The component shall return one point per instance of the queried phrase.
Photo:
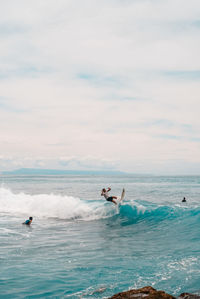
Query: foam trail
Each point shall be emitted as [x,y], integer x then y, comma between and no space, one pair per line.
[50,205]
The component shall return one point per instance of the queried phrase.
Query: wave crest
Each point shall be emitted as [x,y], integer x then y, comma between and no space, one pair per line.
[49,205]
[69,208]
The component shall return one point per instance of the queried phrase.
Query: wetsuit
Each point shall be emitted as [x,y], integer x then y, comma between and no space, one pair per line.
[27,222]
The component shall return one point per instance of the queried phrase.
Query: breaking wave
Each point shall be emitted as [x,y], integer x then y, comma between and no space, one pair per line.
[69,208]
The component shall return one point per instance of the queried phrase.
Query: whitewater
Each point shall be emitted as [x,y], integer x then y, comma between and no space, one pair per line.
[80,246]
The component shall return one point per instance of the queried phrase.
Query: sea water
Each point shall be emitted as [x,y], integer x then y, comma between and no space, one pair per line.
[80,246]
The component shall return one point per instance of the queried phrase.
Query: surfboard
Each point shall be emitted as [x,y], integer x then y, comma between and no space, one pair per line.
[122,195]
[120,199]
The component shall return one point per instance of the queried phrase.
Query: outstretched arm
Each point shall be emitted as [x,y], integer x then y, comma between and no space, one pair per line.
[108,189]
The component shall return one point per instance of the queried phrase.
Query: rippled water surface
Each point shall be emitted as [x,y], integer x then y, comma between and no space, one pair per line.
[80,246]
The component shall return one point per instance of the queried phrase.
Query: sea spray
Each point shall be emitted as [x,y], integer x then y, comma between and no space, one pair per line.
[51,205]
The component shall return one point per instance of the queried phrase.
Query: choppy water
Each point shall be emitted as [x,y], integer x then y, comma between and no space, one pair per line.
[80,246]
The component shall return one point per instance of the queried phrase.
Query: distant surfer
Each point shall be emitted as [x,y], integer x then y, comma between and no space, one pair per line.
[104,193]
[28,222]
[184,199]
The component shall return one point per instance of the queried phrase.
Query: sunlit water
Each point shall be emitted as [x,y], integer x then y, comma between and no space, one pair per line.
[80,246]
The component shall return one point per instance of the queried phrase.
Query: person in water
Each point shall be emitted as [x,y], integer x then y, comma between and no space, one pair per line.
[28,222]
[104,193]
[184,199]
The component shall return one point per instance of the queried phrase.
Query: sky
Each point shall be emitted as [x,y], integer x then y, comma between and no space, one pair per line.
[100,85]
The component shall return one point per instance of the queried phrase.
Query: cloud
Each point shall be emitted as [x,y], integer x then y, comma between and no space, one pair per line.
[114,80]
[69,163]
[88,162]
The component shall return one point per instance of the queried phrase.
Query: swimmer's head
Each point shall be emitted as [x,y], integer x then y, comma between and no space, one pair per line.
[103,190]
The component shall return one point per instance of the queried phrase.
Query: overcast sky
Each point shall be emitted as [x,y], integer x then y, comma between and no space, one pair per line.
[107,84]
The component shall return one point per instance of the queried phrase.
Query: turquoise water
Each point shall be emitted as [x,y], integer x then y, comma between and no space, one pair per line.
[80,246]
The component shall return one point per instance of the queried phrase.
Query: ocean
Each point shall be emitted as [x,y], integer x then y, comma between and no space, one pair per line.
[80,246]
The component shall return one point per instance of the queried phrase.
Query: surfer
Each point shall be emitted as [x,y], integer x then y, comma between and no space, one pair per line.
[184,199]
[28,222]
[104,193]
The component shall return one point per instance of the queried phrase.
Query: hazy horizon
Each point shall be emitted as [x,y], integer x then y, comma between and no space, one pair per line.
[47,171]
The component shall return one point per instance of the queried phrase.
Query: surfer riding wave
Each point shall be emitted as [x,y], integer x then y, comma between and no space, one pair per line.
[104,193]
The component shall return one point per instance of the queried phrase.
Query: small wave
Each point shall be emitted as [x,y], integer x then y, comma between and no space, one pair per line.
[135,212]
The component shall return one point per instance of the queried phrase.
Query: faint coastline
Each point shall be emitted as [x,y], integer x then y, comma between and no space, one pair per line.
[38,171]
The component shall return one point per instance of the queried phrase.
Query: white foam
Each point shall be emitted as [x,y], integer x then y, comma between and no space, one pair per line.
[51,205]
